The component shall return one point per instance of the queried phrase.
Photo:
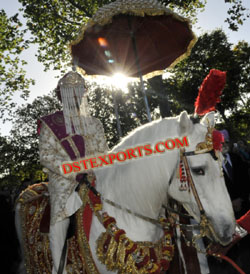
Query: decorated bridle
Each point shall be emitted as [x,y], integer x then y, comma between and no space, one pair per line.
[212,145]
[208,96]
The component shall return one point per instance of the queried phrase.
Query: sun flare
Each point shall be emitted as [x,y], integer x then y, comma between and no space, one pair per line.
[117,81]
[120,81]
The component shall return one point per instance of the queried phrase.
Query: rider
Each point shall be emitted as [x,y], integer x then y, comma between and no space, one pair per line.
[66,136]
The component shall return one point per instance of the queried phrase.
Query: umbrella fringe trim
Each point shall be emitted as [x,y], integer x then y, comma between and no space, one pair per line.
[105,14]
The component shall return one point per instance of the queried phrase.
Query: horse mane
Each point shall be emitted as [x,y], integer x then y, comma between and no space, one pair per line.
[140,184]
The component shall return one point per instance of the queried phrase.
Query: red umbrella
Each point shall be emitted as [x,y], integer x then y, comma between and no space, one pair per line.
[135,37]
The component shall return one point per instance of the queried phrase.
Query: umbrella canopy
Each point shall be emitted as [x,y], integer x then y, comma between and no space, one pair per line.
[135,37]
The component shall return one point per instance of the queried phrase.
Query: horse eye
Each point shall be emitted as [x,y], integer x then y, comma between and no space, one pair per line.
[199,171]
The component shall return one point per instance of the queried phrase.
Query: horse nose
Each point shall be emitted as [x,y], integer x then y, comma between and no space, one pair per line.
[226,240]
[227,234]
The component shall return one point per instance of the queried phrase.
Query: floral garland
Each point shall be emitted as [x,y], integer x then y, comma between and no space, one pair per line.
[118,252]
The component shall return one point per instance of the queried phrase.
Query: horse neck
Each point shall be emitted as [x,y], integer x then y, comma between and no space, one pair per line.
[140,185]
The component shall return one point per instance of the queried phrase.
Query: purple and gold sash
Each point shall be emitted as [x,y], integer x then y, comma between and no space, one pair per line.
[73,145]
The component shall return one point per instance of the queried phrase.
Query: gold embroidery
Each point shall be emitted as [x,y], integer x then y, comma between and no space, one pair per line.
[37,254]
[82,239]
[36,245]
[73,146]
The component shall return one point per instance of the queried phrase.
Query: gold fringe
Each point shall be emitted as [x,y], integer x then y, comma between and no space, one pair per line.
[114,257]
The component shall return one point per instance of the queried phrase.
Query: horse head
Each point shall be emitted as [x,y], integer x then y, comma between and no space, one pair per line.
[144,184]
[207,175]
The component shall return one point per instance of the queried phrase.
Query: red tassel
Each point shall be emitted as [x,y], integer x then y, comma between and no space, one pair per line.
[210,92]
[218,140]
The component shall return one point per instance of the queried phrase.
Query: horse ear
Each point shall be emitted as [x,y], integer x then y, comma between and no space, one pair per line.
[186,125]
[208,119]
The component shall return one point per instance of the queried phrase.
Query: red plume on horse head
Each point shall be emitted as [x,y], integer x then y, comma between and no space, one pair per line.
[210,92]
[208,96]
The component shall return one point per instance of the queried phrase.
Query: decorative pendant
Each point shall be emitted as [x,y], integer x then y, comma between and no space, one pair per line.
[183,178]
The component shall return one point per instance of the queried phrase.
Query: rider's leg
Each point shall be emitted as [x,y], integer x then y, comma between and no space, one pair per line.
[57,237]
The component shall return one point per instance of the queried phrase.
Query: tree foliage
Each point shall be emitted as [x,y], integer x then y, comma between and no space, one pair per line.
[12,75]
[131,108]
[214,51]
[54,24]
[20,158]
[237,14]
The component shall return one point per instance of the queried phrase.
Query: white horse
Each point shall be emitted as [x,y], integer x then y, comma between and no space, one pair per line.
[144,185]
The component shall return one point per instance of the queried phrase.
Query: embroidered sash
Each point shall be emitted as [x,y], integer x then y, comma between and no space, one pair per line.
[73,145]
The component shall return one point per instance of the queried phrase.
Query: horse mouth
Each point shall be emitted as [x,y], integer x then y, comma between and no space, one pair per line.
[210,230]
[222,240]
[218,234]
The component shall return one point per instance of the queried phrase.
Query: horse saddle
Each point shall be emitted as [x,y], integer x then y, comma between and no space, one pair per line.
[33,195]
[35,219]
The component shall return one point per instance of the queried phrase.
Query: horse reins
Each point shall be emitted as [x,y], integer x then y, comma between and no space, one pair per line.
[190,180]
[205,226]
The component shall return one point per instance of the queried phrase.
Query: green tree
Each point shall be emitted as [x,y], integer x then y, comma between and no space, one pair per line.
[20,158]
[214,51]
[12,74]
[7,160]
[237,14]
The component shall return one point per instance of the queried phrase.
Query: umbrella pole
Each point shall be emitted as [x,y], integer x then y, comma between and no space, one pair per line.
[145,97]
[139,70]
[118,124]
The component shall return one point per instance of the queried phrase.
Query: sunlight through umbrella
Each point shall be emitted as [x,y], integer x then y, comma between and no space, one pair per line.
[139,38]
[118,81]
[118,123]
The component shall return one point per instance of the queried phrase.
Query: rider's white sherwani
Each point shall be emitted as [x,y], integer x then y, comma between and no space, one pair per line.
[64,200]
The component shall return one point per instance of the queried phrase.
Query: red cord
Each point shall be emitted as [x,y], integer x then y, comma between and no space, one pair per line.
[232,263]
[221,256]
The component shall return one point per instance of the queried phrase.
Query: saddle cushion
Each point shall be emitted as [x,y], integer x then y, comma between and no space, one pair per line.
[34,214]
